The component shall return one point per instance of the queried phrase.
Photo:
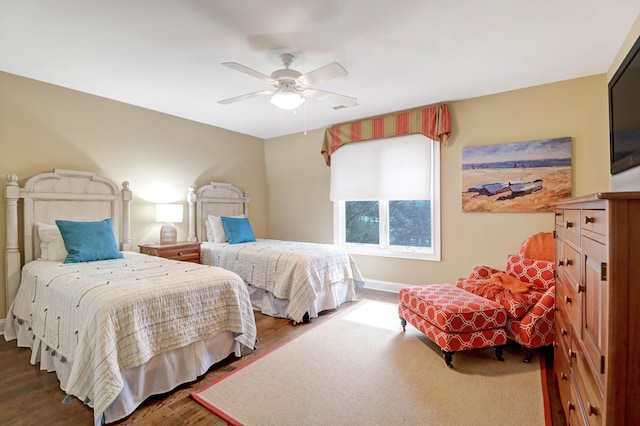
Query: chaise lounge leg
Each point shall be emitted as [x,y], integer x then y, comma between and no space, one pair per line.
[498,351]
[527,355]
[448,357]
[403,323]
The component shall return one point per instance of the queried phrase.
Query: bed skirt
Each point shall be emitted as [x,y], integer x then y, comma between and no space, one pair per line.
[160,374]
[329,298]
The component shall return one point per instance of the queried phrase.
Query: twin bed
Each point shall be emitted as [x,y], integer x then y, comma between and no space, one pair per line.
[119,327]
[294,280]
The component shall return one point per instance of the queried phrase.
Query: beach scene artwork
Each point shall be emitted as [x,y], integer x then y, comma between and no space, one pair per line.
[525,176]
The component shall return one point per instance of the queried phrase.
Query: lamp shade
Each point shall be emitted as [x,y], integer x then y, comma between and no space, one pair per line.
[169,213]
[287,100]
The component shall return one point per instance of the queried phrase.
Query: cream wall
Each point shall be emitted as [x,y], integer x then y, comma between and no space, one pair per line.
[43,127]
[298,181]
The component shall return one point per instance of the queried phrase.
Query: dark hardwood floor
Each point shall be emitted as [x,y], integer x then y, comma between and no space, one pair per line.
[29,396]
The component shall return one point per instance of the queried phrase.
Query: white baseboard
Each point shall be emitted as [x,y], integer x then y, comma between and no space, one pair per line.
[388,286]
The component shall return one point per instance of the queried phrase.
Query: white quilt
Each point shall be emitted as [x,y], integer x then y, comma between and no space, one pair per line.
[112,315]
[294,271]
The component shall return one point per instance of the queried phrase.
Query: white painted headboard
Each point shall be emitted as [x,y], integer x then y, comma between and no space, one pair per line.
[61,194]
[216,199]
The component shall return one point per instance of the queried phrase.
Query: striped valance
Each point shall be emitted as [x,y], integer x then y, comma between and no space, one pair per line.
[433,122]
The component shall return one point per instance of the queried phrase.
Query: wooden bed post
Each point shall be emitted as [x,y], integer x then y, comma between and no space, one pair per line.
[12,252]
[125,244]
[191,200]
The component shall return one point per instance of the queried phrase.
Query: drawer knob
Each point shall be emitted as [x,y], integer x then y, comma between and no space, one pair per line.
[581,289]
[564,332]
[564,376]
[558,213]
[572,353]
[560,262]
[567,299]
[588,219]
[591,410]
[569,224]
[568,262]
[570,406]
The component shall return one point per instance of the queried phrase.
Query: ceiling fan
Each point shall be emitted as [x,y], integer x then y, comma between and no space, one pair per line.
[290,87]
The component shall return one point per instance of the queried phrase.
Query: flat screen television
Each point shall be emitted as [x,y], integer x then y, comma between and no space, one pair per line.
[624,113]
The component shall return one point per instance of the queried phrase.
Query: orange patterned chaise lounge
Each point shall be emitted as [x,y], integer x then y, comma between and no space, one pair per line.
[530,297]
[453,318]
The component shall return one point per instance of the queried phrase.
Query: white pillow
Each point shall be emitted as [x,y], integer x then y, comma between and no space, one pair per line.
[216,231]
[208,231]
[51,242]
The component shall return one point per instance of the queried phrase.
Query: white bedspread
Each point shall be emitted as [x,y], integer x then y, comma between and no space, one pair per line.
[111,315]
[295,271]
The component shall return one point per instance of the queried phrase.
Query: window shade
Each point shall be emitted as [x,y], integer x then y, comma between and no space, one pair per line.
[382,169]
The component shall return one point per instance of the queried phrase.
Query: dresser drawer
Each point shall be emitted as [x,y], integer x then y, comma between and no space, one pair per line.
[592,400]
[571,302]
[572,226]
[573,407]
[595,221]
[562,326]
[569,266]
[563,373]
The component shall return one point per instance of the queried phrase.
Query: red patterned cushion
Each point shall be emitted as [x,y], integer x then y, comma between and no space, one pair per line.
[537,272]
[535,329]
[452,309]
[482,272]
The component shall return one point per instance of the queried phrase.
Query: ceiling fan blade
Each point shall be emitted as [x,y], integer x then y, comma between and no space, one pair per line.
[247,96]
[238,67]
[338,101]
[333,70]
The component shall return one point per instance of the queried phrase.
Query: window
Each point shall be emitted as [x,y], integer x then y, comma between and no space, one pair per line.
[386,197]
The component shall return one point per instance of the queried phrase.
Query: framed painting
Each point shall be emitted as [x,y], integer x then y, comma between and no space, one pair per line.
[516,177]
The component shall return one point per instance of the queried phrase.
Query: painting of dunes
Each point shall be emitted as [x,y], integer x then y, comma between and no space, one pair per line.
[525,176]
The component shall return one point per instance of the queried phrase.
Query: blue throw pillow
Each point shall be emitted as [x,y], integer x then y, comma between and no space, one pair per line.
[89,241]
[238,230]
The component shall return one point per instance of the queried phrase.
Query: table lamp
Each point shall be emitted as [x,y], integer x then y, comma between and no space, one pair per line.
[168,213]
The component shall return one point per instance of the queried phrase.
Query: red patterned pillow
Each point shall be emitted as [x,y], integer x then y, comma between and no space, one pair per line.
[536,272]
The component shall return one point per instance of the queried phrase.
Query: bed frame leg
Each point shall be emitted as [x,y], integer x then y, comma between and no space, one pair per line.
[305,319]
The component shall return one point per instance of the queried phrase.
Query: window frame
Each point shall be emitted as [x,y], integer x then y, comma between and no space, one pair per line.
[384,249]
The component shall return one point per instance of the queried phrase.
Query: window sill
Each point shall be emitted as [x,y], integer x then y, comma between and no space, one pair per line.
[400,254]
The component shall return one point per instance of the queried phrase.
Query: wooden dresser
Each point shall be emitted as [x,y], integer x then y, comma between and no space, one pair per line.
[597,321]
[185,251]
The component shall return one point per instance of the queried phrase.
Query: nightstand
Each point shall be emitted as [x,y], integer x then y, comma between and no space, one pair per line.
[185,251]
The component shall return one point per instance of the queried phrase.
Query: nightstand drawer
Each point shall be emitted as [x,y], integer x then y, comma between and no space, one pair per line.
[186,252]
[184,255]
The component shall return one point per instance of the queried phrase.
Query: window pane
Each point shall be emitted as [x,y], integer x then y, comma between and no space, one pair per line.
[410,223]
[362,222]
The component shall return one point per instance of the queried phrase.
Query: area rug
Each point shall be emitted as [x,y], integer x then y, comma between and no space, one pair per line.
[359,368]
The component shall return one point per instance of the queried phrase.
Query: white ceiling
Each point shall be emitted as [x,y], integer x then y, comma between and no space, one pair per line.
[166,55]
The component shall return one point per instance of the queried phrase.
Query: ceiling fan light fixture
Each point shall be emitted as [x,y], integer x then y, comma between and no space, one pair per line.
[287,100]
